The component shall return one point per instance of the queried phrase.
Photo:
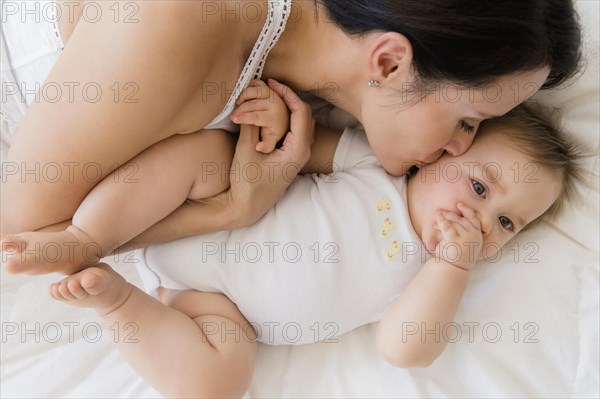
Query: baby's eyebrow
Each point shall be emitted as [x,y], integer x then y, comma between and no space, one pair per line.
[499,186]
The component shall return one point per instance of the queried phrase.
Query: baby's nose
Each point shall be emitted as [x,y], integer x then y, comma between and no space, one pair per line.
[486,224]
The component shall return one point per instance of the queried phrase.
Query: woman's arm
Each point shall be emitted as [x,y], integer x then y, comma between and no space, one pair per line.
[191,218]
[322,150]
[219,213]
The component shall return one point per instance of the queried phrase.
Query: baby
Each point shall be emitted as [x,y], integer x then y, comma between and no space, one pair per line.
[337,251]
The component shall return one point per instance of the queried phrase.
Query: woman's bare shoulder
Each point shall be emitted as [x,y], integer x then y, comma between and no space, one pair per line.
[169,49]
[201,24]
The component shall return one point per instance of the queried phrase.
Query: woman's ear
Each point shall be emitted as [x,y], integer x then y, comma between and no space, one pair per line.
[390,56]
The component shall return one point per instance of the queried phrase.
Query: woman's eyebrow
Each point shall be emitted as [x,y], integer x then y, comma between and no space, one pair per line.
[483,115]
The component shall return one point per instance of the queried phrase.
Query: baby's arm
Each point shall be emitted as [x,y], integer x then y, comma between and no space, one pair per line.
[410,333]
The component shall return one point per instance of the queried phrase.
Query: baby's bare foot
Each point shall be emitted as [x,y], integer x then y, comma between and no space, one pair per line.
[98,287]
[64,252]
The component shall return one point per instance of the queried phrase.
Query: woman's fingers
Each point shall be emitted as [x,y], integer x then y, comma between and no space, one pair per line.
[301,121]
[296,145]
[291,99]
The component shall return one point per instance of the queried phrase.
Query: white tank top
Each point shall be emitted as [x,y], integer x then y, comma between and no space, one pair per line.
[278,13]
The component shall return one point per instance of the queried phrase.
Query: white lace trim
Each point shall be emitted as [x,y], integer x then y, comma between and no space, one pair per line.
[278,13]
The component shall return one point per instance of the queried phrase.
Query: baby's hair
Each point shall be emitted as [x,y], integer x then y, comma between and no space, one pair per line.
[536,132]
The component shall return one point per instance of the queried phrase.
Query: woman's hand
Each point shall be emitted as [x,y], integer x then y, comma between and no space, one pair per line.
[259,105]
[257,180]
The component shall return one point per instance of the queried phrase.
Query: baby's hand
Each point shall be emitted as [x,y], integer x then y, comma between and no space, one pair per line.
[461,236]
[259,105]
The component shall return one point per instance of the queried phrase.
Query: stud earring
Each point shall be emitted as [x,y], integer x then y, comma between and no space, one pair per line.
[373,83]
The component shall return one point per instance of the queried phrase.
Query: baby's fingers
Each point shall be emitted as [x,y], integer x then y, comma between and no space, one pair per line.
[452,226]
[267,143]
[461,223]
[445,225]
[256,89]
[253,117]
[469,214]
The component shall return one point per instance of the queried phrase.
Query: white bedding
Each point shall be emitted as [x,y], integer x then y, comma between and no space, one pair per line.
[542,297]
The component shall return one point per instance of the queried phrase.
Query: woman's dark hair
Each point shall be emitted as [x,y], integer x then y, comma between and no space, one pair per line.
[473,42]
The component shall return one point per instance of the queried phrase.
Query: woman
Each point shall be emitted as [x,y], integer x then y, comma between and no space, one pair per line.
[419,75]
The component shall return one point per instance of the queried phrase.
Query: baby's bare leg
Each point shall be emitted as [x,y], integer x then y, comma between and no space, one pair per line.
[127,202]
[200,346]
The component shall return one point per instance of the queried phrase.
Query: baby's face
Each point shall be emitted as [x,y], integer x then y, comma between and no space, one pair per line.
[506,190]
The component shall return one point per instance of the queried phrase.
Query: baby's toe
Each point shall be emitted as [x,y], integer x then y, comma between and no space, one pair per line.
[92,282]
[63,289]
[75,289]
[53,291]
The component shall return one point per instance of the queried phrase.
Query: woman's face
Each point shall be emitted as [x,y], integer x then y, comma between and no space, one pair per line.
[402,135]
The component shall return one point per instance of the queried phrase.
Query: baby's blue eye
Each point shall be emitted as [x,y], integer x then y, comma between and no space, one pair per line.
[506,222]
[478,187]
[469,129]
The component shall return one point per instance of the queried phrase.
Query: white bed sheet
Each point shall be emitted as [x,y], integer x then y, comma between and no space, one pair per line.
[545,307]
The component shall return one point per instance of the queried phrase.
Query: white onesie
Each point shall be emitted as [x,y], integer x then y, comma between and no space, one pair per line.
[330,256]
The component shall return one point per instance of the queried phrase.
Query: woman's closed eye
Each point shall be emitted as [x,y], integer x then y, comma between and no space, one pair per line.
[469,129]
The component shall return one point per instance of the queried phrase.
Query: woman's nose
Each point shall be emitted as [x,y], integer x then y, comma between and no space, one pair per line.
[459,144]
[434,157]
